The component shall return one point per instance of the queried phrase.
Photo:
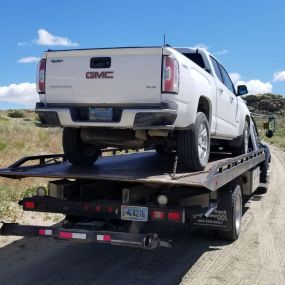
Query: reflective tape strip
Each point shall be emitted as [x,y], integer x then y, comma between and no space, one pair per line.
[103,237]
[43,232]
[65,235]
[78,236]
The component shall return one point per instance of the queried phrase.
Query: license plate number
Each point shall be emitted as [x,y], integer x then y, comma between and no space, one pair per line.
[101,114]
[134,213]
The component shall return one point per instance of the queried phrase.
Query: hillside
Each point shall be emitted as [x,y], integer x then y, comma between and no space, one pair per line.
[266,103]
[269,104]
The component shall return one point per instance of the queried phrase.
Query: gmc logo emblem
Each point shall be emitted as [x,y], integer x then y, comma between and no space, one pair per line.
[100,75]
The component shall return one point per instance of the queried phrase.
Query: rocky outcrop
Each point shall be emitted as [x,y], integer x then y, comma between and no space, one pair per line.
[266,103]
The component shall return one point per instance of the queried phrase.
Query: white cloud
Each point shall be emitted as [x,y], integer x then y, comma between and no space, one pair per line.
[201,46]
[28,59]
[23,93]
[47,39]
[235,77]
[255,86]
[279,76]
[222,52]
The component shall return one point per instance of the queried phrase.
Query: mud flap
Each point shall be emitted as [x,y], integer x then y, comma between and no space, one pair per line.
[218,219]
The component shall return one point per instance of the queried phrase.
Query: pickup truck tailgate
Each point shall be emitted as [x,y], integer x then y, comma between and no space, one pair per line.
[104,76]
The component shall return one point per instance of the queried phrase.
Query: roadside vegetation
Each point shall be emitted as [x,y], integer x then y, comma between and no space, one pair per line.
[19,136]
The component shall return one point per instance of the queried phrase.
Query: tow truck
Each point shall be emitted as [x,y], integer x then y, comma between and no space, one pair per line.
[103,203]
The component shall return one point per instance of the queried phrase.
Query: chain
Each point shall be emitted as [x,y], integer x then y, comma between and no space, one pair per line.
[173,175]
[174,172]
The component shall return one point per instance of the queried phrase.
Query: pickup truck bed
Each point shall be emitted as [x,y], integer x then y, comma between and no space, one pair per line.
[143,167]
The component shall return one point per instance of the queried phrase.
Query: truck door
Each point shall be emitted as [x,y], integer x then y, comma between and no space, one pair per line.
[226,103]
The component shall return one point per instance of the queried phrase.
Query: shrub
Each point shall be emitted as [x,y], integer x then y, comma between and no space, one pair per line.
[16,114]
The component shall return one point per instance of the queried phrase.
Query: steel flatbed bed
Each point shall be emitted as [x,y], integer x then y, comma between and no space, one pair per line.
[142,167]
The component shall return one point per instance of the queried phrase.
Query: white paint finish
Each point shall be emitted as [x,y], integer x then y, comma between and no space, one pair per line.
[137,80]
[136,77]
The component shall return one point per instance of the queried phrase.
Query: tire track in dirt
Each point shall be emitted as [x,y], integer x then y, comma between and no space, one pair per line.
[258,256]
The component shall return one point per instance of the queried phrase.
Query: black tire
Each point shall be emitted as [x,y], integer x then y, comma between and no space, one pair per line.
[242,147]
[264,177]
[77,151]
[190,142]
[264,167]
[235,197]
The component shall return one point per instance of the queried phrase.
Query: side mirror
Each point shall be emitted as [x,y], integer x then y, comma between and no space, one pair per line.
[241,90]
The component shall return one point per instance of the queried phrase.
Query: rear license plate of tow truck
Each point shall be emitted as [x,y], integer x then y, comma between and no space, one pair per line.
[134,213]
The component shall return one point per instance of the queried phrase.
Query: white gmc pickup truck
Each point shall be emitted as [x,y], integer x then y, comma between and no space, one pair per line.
[171,99]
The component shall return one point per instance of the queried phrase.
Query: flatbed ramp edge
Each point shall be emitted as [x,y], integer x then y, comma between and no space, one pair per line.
[143,167]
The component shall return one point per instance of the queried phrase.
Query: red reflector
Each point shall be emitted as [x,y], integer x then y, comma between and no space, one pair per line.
[29,205]
[65,235]
[174,216]
[98,208]
[107,238]
[158,215]
[42,232]
[110,210]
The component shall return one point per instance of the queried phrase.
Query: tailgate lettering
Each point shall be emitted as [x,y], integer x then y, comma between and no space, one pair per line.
[100,75]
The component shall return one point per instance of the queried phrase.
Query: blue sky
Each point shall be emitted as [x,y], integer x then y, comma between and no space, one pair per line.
[247,36]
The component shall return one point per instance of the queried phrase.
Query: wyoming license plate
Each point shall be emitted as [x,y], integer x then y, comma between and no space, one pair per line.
[134,213]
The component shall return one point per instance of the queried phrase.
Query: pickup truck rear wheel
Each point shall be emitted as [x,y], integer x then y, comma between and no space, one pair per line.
[193,145]
[76,150]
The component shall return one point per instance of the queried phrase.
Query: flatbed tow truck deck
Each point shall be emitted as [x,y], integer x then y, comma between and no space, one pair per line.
[143,167]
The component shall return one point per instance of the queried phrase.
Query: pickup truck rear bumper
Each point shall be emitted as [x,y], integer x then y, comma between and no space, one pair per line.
[135,118]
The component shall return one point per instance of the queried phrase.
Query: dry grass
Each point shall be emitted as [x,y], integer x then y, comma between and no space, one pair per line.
[20,137]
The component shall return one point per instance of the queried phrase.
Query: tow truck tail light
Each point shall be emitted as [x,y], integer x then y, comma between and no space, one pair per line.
[174,216]
[29,205]
[158,215]
[170,75]
[41,76]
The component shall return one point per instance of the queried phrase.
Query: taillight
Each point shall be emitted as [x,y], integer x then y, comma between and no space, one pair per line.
[158,215]
[174,216]
[170,75]
[29,205]
[42,76]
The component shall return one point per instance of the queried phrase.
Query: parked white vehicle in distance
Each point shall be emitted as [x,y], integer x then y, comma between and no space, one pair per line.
[172,99]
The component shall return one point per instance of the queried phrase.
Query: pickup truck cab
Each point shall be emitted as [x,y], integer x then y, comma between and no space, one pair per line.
[171,99]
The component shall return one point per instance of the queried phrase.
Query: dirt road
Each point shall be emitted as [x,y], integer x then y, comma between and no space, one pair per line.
[258,257]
